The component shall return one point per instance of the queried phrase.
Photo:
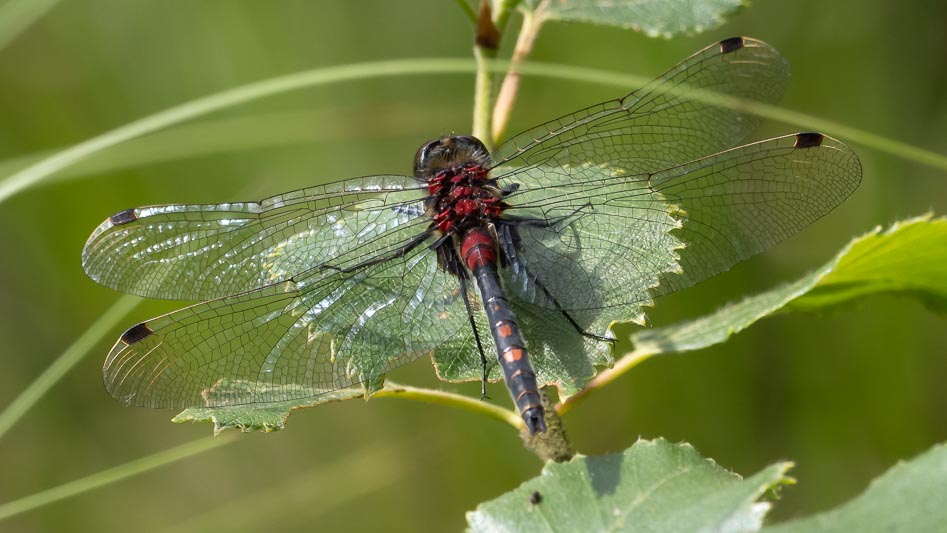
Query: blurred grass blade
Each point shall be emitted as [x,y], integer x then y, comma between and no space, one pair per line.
[652,486]
[468,11]
[908,497]
[851,135]
[73,354]
[242,133]
[786,116]
[42,169]
[18,15]
[656,18]
[111,475]
[222,100]
[310,494]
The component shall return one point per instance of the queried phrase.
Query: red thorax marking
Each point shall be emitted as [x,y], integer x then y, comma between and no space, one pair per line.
[466,207]
[460,194]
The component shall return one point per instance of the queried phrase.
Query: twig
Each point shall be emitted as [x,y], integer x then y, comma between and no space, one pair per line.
[552,445]
[532,22]
[394,390]
[487,42]
[623,365]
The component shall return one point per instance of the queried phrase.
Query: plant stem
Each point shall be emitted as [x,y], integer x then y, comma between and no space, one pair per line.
[449,399]
[502,11]
[549,446]
[626,363]
[552,445]
[487,41]
[483,88]
[532,22]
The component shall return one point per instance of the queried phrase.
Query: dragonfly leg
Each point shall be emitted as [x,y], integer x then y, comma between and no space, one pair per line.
[400,252]
[509,242]
[412,210]
[542,222]
[473,326]
[509,239]
[565,313]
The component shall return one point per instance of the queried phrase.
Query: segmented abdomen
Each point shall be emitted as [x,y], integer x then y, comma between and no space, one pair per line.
[479,254]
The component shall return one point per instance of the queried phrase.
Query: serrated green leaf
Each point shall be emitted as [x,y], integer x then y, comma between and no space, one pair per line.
[910,497]
[910,257]
[258,417]
[656,18]
[560,356]
[652,486]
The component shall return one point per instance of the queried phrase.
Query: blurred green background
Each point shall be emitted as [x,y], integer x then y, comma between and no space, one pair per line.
[844,394]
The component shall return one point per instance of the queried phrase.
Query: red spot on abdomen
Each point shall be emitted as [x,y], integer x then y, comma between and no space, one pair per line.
[478,249]
[504,330]
[513,354]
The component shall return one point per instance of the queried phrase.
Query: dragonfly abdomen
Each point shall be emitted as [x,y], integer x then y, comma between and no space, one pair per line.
[479,252]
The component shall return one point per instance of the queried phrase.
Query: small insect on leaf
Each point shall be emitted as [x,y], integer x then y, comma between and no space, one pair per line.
[535,498]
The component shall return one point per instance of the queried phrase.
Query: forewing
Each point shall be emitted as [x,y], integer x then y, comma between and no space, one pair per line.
[661,124]
[201,252]
[291,340]
[611,240]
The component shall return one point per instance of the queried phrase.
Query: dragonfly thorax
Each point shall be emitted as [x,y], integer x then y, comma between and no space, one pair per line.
[462,196]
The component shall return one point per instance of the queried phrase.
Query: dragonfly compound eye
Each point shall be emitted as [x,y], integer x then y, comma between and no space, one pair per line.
[448,153]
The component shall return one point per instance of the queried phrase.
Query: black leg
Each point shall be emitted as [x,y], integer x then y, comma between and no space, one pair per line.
[565,313]
[412,210]
[509,243]
[540,222]
[400,252]
[473,326]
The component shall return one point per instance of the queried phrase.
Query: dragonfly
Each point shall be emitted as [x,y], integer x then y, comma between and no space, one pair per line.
[559,232]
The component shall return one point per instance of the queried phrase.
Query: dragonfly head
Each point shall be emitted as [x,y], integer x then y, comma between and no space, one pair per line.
[449,153]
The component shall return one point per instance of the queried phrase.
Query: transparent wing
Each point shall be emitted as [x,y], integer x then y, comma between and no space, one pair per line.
[741,202]
[612,240]
[559,354]
[294,339]
[661,122]
[201,252]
